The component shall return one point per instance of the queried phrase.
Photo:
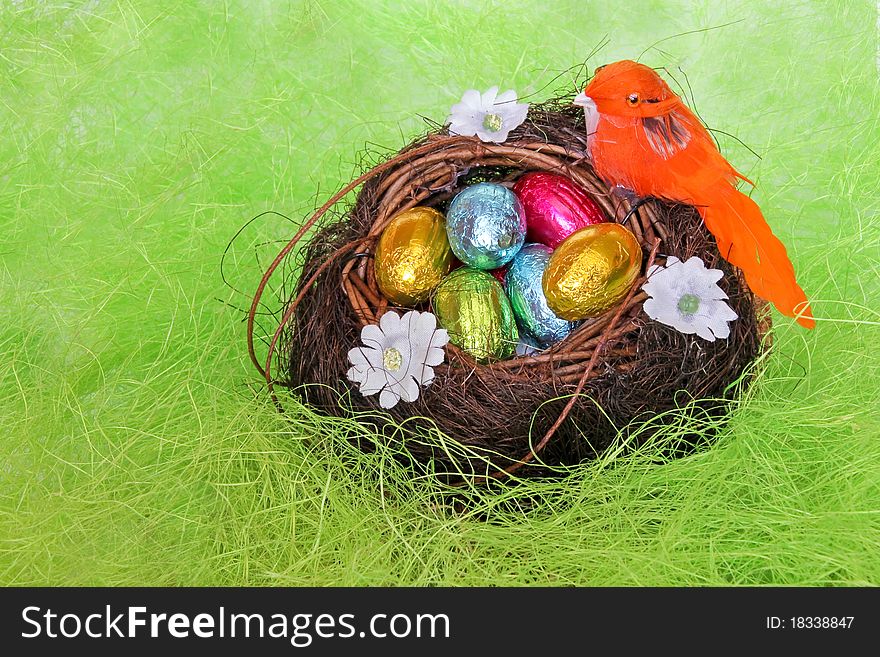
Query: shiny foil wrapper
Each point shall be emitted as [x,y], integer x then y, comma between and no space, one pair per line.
[486,225]
[526,294]
[555,207]
[472,306]
[592,271]
[412,256]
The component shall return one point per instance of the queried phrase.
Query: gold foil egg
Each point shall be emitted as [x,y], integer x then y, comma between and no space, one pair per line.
[591,271]
[472,306]
[412,256]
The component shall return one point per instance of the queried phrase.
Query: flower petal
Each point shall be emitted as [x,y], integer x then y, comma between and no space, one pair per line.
[463,126]
[472,100]
[725,312]
[703,282]
[427,377]
[488,98]
[389,322]
[388,398]
[408,389]
[714,275]
[356,376]
[435,356]
[694,267]
[410,322]
[718,308]
[701,286]
[373,383]
[366,357]
[422,373]
[423,326]
[664,279]
[374,358]
[372,336]
[697,287]
[652,307]
[721,329]
[703,331]
[495,137]
[666,314]
[506,98]
[466,116]
[357,357]
[694,264]
[512,115]
[440,338]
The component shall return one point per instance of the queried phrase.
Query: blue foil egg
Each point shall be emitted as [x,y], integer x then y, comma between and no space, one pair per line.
[526,294]
[486,225]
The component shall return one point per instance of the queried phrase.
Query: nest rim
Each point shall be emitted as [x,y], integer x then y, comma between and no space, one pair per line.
[425,173]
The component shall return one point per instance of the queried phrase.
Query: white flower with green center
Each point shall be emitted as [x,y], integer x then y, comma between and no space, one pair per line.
[686,296]
[489,116]
[397,357]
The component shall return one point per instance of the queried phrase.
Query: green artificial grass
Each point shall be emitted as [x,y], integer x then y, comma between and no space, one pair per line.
[138,446]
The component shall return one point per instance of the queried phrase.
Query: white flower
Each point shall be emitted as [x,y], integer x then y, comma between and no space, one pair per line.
[686,296]
[398,356]
[489,116]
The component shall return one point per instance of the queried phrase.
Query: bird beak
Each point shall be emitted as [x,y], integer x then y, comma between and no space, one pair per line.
[591,112]
[583,99]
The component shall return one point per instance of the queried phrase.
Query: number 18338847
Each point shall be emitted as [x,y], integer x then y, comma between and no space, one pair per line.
[809,622]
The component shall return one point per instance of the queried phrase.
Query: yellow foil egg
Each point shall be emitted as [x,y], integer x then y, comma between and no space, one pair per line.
[591,271]
[412,256]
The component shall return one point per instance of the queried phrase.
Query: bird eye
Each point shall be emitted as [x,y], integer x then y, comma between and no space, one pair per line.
[599,68]
[632,100]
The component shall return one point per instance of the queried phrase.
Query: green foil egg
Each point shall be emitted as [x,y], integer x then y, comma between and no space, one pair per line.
[472,306]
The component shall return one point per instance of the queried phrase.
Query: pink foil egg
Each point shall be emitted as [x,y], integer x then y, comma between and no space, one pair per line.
[555,207]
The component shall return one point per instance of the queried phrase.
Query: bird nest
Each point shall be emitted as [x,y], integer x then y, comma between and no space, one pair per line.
[564,405]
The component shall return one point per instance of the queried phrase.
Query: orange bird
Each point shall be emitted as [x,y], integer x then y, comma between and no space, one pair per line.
[642,137]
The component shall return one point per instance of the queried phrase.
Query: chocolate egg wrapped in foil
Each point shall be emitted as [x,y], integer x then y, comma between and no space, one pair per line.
[526,294]
[486,225]
[555,207]
[591,271]
[472,306]
[412,256]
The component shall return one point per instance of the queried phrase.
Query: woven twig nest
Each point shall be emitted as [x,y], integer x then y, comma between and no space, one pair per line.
[562,406]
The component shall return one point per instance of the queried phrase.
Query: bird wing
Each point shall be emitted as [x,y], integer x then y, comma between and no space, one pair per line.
[692,161]
[671,155]
[667,134]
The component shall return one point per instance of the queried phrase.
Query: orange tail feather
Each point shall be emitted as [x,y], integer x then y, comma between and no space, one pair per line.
[745,240]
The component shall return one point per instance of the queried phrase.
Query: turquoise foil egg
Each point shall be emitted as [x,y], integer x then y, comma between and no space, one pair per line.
[526,294]
[486,225]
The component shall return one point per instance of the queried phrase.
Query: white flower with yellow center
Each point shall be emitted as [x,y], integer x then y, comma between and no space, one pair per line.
[686,296]
[489,116]
[398,356]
